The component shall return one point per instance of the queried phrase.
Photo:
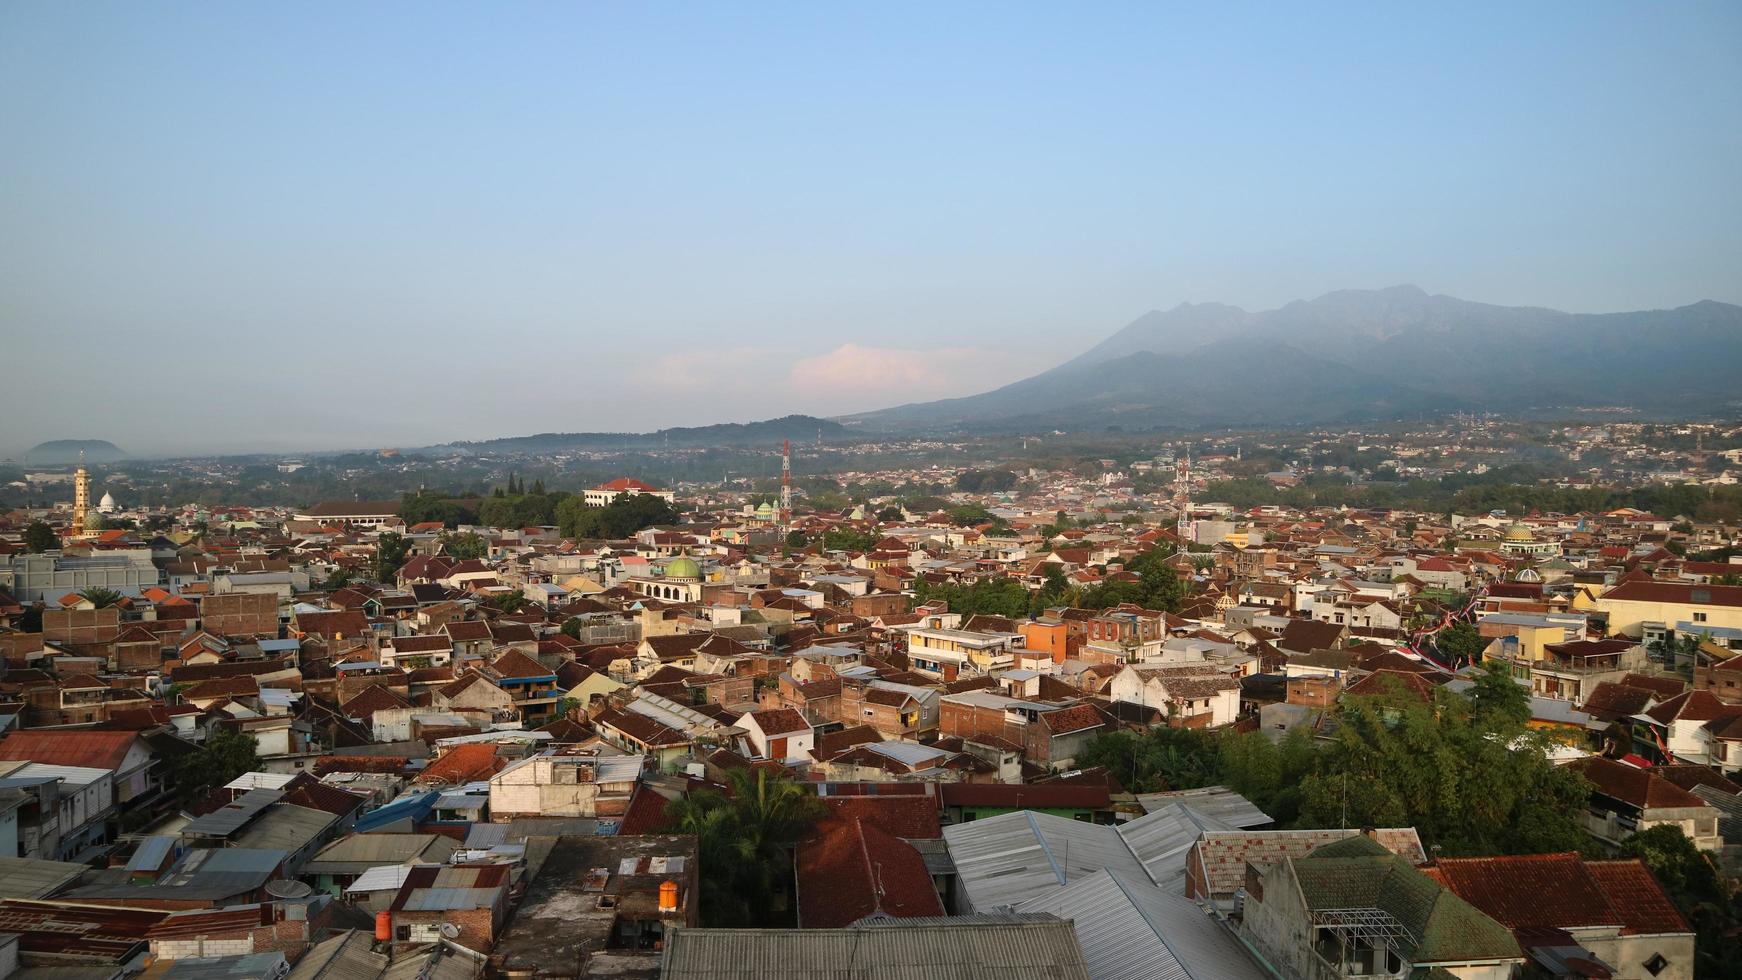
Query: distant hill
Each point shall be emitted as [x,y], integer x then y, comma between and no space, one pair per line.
[767,433]
[58,452]
[1362,355]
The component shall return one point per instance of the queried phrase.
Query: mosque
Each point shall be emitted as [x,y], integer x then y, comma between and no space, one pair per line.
[88,523]
[1520,542]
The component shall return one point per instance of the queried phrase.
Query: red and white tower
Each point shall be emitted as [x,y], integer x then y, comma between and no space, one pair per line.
[786,481]
[1182,498]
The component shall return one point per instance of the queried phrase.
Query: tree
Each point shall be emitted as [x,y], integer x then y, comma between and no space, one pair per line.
[509,602]
[1460,643]
[390,551]
[100,597]
[1154,761]
[39,537]
[993,596]
[889,514]
[338,580]
[463,546]
[1498,701]
[622,517]
[224,756]
[1469,781]
[746,840]
[572,627]
[847,539]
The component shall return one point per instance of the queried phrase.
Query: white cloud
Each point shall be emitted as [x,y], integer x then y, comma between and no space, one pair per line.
[854,377]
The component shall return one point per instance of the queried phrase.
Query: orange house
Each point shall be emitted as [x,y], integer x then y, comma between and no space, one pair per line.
[1051,638]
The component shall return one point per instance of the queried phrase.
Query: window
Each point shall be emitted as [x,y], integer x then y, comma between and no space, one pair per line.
[1699,617]
[1657,964]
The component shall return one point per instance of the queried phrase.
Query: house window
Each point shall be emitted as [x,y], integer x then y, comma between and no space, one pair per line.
[1699,617]
[1657,964]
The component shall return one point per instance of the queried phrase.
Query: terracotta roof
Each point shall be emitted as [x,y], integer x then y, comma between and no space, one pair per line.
[1692,706]
[780,721]
[463,764]
[93,750]
[1649,590]
[1664,687]
[1611,699]
[1638,788]
[1636,894]
[1530,891]
[1076,718]
[851,869]
[376,697]
[515,665]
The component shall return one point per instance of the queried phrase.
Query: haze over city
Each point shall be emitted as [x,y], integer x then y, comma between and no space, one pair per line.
[235,228]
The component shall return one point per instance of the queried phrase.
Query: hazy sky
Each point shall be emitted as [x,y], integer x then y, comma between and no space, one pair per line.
[250,225]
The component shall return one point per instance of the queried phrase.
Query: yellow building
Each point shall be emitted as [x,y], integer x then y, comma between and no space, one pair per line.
[1682,607]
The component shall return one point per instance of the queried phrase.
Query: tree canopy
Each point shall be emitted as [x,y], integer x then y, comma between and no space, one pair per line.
[463,545]
[745,837]
[39,537]
[622,517]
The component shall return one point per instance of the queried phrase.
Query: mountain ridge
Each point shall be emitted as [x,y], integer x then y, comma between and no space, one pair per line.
[1361,355]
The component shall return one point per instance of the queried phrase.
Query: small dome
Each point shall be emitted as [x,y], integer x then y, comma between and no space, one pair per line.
[107,504]
[1518,532]
[683,567]
[93,521]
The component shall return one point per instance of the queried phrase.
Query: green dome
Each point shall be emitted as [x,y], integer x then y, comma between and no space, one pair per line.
[93,521]
[683,567]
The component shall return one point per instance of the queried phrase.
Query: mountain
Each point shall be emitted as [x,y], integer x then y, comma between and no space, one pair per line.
[57,452]
[766,433]
[1362,355]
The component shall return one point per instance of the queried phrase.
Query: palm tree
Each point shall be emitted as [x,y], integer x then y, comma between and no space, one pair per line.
[100,597]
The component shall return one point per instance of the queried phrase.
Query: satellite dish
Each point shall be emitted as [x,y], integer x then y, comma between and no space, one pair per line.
[286,888]
[450,931]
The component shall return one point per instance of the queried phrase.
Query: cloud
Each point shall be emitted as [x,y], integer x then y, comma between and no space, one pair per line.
[853,376]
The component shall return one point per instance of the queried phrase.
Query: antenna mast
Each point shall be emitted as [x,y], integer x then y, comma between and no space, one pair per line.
[1182,497]
[786,482]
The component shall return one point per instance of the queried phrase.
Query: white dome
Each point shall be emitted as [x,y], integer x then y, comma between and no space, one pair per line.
[107,504]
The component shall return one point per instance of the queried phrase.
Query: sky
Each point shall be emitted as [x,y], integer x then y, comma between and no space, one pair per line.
[279,227]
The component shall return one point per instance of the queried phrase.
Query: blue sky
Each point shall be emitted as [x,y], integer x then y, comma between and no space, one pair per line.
[235,226]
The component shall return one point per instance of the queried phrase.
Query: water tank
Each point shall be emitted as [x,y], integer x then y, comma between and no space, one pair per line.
[668,896]
[383,927]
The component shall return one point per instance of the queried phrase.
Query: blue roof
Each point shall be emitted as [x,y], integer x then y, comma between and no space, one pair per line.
[1715,632]
[415,807]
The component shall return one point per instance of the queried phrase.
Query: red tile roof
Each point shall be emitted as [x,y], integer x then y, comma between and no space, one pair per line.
[1636,787]
[1693,706]
[1635,893]
[463,764]
[850,870]
[92,750]
[1531,891]
[1647,590]
[906,817]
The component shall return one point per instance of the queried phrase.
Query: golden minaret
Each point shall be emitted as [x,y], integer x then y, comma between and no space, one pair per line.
[81,495]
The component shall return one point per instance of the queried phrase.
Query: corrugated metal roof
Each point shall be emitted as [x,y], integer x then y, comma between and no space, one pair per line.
[346,956]
[1216,802]
[30,878]
[381,878]
[286,827]
[1131,930]
[1161,839]
[1013,857]
[149,855]
[260,780]
[963,950]
[231,817]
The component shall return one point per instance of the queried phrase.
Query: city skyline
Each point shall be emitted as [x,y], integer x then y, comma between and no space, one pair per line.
[740,214]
